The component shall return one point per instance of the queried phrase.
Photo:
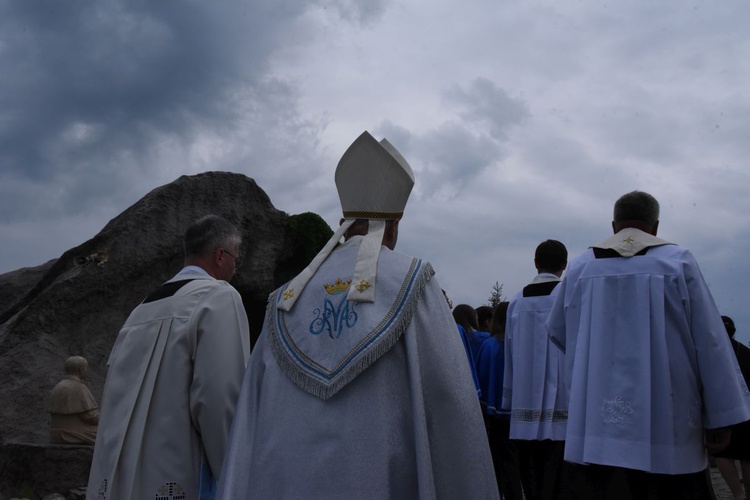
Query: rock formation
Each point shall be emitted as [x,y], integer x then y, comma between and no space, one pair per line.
[76,304]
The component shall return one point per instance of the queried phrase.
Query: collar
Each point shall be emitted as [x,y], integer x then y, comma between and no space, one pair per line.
[630,241]
[194,270]
[544,277]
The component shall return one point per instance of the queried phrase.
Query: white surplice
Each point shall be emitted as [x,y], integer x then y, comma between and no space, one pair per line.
[533,386]
[174,376]
[648,360]
[359,400]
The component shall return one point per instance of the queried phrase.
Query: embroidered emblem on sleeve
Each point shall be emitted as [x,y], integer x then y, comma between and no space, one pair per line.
[333,319]
[362,286]
[170,491]
[616,411]
[101,493]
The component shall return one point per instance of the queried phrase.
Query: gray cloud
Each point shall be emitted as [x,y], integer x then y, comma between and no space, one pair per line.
[361,12]
[458,150]
[487,105]
[97,96]
[573,106]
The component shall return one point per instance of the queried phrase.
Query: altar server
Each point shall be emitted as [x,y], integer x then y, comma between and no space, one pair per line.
[653,379]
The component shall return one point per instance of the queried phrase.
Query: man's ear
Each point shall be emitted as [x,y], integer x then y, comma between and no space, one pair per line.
[390,238]
[218,256]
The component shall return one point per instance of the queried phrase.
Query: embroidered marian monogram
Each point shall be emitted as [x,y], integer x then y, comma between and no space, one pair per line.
[334,319]
[616,411]
[170,491]
[322,368]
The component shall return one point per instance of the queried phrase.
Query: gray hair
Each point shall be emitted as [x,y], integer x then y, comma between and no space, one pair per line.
[637,206]
[74,365]
[209,233]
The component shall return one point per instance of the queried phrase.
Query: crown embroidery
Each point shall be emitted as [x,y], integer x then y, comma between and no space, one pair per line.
[362,286]
[288,294]
[337,287]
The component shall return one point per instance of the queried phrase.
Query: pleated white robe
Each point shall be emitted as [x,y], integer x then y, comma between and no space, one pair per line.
[648,360]
[534,387]
[174,376]
[352,400]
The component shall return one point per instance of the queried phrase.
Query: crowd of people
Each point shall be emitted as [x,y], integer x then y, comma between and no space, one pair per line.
[617,381]
[613,381]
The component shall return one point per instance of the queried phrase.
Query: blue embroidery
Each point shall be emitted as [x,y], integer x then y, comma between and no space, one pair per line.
[333,319]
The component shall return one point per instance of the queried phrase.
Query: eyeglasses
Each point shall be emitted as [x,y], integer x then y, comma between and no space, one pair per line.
[237,260]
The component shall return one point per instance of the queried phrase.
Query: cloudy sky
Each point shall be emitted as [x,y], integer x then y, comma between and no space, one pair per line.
[522,120]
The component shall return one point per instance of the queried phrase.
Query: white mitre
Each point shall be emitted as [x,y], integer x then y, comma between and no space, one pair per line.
[374,182]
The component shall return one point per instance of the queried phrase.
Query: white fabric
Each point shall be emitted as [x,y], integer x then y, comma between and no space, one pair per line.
[533,384]
[649,364]
[629,241]
[366,266]
[407,426]
[373,178]
[298,284]
[545,277]
[374,182]
[169,398]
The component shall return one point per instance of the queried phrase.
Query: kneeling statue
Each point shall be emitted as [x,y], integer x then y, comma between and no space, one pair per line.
[74,412]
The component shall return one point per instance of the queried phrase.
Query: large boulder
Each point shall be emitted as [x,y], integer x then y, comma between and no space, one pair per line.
[75,305]
[16,284]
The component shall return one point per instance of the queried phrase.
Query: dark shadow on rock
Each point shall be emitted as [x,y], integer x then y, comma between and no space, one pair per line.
[43,469]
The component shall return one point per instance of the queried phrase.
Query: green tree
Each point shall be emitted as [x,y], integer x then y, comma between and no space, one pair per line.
[496,296]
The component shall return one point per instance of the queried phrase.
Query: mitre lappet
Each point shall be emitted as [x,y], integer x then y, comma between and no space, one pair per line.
[374,182]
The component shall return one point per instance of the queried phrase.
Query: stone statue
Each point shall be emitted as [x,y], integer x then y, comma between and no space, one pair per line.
[74,412]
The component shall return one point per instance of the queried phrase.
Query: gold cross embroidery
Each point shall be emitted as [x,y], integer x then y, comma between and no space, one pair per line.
[362,286]
[288,294]
[629,240]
